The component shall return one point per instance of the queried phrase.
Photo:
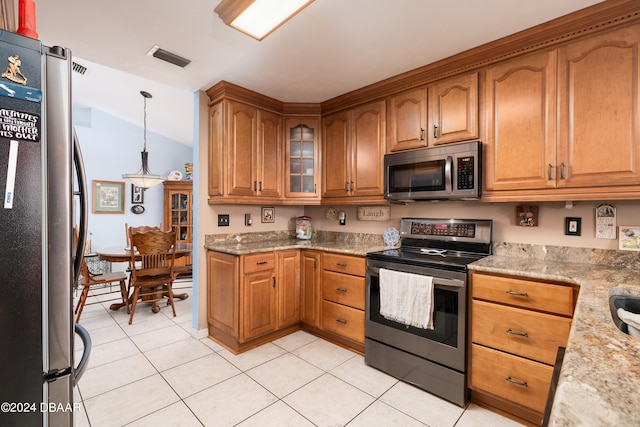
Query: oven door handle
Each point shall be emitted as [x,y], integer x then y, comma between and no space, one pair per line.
[437,281]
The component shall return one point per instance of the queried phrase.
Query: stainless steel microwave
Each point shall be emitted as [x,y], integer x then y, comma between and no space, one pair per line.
[445,172]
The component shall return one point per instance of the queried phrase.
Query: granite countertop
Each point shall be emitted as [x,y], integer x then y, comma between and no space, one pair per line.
[249,243]
[243,248]
[599,383]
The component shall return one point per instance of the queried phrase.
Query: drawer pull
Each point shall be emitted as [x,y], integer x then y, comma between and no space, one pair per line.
[262,262]
[341,321]
[341,290]
[517,382]
[341,264]
[518,294]
[520,334]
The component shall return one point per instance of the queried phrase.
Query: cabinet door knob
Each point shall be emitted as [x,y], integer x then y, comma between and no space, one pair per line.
[421,134]
[274,281]
[549,168]
[262,262]
[341,290]
[562,166]
[346,186]
[517,382]
[255,185]
[341,321]
[435,131]
[341,264]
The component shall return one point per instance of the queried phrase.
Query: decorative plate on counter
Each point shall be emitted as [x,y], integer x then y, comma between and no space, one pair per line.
[391,236]
[174,176]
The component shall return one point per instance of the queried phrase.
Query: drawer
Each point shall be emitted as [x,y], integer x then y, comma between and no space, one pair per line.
[344,264]
[524,293]
[343,289]
[516,379]
[343,320]
[502,327]
[259,262]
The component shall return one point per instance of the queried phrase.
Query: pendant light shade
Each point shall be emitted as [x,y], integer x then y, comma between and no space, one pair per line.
[144,178]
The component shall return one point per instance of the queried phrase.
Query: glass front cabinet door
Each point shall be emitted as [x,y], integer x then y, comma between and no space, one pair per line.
[302,167]
[178,212]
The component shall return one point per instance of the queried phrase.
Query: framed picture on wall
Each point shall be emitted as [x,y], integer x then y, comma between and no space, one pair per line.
[268,215]
[629,238]
[137,195]
[108,197]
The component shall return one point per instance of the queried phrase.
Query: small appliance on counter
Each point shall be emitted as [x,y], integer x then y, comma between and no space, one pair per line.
[303,227]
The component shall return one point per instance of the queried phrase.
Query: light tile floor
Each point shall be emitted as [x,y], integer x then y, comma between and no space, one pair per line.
[154,373]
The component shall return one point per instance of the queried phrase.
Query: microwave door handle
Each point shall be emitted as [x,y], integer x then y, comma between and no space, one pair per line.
[448,178]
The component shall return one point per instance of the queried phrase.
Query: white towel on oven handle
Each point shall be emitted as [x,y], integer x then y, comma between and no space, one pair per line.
[406,298]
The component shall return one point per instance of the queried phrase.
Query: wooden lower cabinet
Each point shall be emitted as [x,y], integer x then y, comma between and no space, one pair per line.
[516,328]
[516,379]
[257,298]
[343,299]
[311,293]
[253,298]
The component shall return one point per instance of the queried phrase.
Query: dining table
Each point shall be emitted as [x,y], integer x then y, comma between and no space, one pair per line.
[121,254]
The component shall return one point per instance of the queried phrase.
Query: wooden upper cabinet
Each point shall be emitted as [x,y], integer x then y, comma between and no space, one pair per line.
[563,124]
[520,108]
[335,155]
[216,150]
[270,155]
[407,120]
[453,110]
[243,149]
[245,154]
[302,160]
[353,154]
[368,148]
[599,129]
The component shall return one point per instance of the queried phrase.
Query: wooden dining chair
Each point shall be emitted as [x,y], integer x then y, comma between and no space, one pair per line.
[128,230]
[152,267]
[100,284]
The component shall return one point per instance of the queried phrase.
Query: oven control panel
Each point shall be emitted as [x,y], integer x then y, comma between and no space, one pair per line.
[443,229]
[462,230]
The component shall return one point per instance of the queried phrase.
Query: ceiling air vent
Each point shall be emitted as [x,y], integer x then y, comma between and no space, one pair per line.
[79,68]
[169,57]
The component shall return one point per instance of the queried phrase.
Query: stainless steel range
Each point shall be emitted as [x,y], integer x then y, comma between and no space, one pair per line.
[432,263]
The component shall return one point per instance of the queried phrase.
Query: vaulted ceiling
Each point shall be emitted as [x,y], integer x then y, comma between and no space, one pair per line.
[332,47]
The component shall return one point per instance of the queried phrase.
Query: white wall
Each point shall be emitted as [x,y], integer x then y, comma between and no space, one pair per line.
[111,147]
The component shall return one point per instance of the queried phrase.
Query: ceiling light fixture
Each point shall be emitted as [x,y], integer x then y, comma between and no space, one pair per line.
[144,178]
[258,18]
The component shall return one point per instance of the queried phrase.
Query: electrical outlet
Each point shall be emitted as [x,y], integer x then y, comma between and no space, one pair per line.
[223,220]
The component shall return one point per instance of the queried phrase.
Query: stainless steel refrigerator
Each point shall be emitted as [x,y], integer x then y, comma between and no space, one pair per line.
[41,173]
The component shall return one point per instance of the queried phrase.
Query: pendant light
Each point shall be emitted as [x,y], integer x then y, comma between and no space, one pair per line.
[144,178]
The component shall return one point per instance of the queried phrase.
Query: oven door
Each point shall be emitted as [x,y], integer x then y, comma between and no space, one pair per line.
[445,344]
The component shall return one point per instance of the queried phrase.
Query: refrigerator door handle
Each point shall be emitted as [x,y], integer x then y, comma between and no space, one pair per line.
[86,341]
[82,192]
